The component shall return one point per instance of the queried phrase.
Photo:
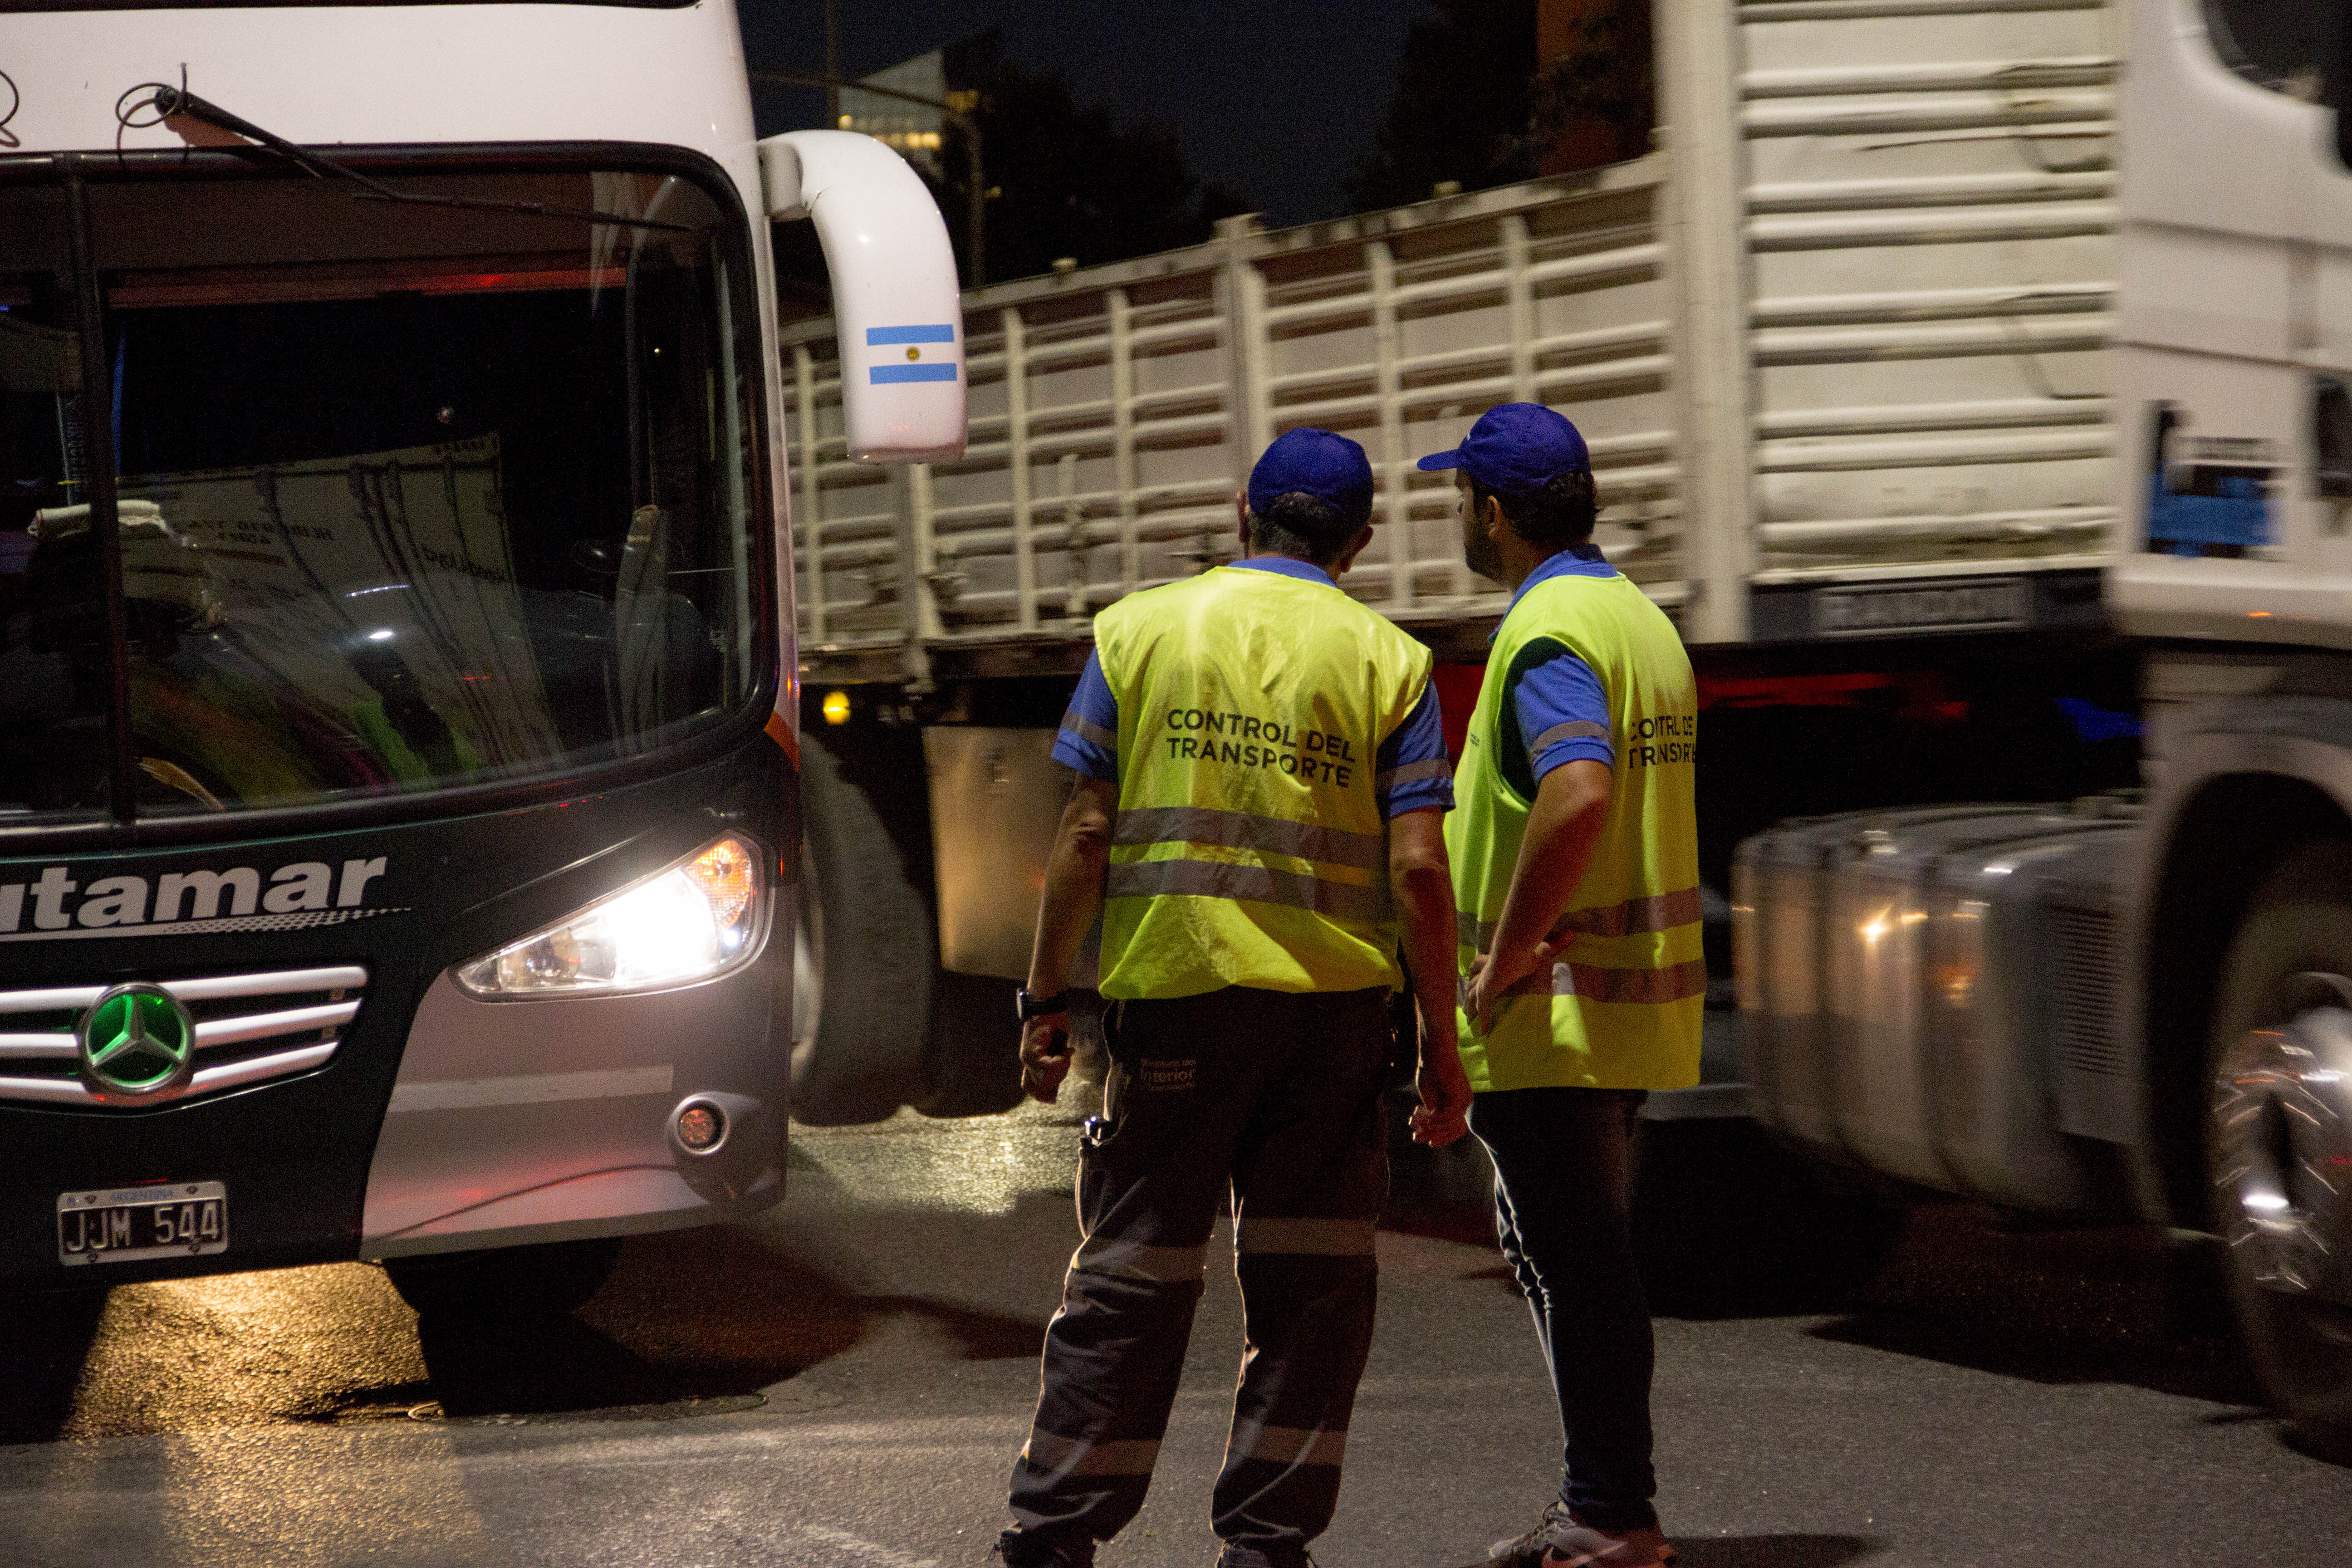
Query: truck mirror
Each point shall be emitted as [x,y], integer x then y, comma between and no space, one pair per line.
[2331,438]
[2335,73]
[896,308]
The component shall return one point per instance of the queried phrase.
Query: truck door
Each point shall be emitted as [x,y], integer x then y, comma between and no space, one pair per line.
[2326,347]
[2236,321]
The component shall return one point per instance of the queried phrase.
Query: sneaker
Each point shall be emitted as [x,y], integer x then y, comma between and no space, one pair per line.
[1253,1557]
[1563,1540]
[1014,1554]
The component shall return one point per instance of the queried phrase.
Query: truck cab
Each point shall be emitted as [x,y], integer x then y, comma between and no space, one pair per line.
[2139,1008]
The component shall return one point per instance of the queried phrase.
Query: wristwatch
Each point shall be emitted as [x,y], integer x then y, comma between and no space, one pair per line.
[1027,1004]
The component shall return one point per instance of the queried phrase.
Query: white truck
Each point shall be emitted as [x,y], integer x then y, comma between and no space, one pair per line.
[1842,351]
[2139,1008]
[1962,375]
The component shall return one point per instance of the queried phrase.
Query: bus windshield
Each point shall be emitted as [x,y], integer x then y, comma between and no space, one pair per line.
[409,495]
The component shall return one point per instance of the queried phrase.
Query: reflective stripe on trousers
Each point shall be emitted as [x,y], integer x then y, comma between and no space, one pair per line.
[1265,1104]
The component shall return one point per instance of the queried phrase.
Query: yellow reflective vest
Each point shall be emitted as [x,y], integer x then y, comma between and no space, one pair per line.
[1249,849]
[1621,1007]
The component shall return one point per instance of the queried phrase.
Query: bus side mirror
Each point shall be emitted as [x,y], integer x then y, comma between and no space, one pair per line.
[896,308]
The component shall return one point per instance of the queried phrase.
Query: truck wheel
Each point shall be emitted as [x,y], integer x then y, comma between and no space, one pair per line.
[857,1053]
[972,1066]
[2279,1140]
[527,1282]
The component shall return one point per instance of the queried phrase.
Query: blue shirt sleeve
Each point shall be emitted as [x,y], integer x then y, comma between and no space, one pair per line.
[1090,737]
[1563,714]
[1410,771]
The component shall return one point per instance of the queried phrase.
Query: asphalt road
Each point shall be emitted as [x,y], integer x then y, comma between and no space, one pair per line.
[844,1383]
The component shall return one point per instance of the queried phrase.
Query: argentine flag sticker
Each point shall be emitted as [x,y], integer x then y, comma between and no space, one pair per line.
[910,360]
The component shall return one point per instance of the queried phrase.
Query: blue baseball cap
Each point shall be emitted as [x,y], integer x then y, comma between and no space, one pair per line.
[1330,468]
[1517,448]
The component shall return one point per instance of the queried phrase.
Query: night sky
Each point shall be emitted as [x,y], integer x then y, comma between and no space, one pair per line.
[1273,99]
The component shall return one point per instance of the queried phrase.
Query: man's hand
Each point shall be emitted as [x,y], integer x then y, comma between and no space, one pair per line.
[1074,895]
[1423,890]
[1571,802]
[1492,975]
[1443,1113]
[1044,1055]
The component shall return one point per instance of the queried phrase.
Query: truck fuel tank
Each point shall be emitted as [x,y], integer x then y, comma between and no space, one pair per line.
[1913,984]
[1780,891]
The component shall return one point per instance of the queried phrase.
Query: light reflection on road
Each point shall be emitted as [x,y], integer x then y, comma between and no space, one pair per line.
[983,1166]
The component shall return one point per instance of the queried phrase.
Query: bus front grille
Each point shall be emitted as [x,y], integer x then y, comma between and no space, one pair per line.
[249,1028]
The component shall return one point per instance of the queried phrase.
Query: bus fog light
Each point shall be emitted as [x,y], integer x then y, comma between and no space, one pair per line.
[694,920]
[700,1126]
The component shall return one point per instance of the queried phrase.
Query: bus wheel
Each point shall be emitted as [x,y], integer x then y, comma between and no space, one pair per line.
[542,1281]
[857,1054]
[2279,1141]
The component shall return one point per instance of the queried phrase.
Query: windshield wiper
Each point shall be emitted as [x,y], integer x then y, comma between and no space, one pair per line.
[170,101]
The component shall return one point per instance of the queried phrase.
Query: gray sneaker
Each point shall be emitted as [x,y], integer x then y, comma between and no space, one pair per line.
[1234,1556]
[1563,1540]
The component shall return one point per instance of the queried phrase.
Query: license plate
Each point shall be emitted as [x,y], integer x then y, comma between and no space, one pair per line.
[186,1219]
[1882,610]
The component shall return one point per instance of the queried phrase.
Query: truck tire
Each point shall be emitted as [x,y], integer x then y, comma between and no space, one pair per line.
[506,1282]
[865,930]
[972,1063]
[2279,1138]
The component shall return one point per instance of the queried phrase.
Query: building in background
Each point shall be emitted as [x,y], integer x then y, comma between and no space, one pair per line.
[918,130]
[1491,92]
[1595,99]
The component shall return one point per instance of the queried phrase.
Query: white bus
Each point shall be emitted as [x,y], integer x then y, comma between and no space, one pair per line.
[398,752]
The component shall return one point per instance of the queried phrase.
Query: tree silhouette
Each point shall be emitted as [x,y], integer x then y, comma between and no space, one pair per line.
[1475,107]
[1464,98]
[1595,100]
[1064,180]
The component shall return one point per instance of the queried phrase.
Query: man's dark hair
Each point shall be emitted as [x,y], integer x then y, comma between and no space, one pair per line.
[1297,523]
[1555,517]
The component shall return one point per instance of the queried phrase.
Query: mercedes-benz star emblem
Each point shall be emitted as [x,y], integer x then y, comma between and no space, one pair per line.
[137,1040]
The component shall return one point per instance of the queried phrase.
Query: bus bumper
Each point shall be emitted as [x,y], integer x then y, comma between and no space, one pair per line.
[522,1122]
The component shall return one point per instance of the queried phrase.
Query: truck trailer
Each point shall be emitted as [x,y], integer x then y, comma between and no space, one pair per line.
[1970,380]
[1842,349]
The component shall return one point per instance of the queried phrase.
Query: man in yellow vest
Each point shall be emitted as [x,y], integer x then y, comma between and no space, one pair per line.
[1262,778]
[1575,858]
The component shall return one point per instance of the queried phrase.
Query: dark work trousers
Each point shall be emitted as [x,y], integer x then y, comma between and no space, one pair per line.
[1270,1102]
[1563,1182]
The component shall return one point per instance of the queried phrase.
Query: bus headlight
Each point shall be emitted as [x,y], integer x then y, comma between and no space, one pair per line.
[687,922]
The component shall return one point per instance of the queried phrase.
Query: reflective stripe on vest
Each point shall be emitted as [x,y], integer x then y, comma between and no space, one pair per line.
[1657,911]
[1241,830]
[1678,982]
[1249,846]
[1255,883]
[1620,1007]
